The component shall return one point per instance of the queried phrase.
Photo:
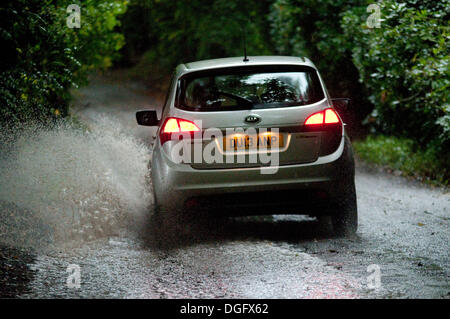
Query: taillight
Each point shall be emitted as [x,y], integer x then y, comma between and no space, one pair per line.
[327,116]
[175,125]
[171,126]
[331,117]
[315,119]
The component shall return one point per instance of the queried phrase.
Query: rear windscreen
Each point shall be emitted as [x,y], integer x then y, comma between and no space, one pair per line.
[244,88]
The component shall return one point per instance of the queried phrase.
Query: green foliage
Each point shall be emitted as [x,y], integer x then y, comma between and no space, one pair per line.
[96,43]
[402,67]
[312,28]
[43,58]
[183,31]
[405,66]
[401,154]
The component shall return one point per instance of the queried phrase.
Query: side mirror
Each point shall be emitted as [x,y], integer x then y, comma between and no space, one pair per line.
[340,103]
[147,118]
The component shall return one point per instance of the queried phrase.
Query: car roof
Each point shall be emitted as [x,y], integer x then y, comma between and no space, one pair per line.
[239,61]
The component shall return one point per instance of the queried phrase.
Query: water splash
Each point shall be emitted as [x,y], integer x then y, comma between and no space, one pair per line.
[67,184]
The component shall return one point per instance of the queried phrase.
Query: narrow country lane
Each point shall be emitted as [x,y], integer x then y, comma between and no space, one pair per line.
[403,230]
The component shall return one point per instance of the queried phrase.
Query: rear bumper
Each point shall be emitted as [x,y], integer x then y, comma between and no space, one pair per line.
[175,185]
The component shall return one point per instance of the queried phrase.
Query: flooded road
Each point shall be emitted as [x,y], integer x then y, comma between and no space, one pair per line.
[400,250]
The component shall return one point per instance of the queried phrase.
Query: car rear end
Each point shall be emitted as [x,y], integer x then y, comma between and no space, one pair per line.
[260,137]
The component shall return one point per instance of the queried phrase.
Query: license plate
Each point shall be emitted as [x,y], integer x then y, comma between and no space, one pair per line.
[266,140]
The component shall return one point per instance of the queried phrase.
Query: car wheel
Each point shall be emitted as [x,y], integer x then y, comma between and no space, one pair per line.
[345,218]
[156,217]
[168,221]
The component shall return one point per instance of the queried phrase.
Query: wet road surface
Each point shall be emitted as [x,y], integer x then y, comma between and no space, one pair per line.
[403,230]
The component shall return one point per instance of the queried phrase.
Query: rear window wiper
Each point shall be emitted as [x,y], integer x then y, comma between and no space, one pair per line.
[239,99]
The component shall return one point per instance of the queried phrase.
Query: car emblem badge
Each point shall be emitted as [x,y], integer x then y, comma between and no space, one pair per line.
[252,119]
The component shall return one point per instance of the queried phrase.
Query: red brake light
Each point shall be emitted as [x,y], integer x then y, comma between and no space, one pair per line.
[315,119]
[176,125]
[329,116]
[171,126]
[188,126]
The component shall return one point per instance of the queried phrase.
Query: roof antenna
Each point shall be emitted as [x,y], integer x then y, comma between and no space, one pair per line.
[245,45]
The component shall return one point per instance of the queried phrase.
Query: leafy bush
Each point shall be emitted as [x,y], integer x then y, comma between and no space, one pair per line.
[405,66]
[402,67]
[401,154]
[43,58]
[312,28]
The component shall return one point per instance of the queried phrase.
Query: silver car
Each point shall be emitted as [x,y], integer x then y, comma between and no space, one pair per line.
[252,137]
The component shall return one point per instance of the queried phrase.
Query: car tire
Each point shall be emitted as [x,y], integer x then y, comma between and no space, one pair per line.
[345,211]
[168,222]
[156,217]
[345,218]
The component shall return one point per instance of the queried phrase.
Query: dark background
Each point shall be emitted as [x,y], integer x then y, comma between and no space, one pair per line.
[396,75]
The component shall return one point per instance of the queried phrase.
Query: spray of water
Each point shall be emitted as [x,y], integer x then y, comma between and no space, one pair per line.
[66,184]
